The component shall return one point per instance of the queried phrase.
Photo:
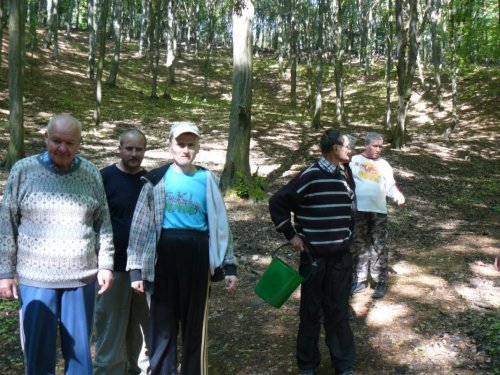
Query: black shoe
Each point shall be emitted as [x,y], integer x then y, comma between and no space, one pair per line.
[358,287]
[380,290]
[347,371]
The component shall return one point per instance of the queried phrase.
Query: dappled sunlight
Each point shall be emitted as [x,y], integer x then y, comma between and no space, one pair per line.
[385,313]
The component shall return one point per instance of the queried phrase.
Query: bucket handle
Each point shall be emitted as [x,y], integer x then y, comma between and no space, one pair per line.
[307,251]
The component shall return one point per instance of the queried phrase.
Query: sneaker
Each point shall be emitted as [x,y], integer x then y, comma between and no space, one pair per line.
[380,290]
[358,287]
[347,371]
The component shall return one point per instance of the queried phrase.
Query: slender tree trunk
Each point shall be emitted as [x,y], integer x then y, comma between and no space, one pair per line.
[55,30]
[92,42]
[117,21]
[170,41]
[100,63]
[309,70]
[338,58]
[49,25]
[316,120]
[238,150]
[154,44]
[399,130]
[143,39]
[15,150]
[436,51]
[77,24]
[1,32]
[454,73]
[293,56]
[208,48]
[69,18]
[388,67]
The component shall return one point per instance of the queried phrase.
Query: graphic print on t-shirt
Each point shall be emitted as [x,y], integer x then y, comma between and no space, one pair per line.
[180,202]
[369,171]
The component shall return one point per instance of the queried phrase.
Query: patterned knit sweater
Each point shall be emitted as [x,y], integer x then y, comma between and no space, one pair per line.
[55,230]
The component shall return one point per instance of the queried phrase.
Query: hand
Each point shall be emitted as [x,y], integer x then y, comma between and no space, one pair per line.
[137,286]
[105,279]
[401,200]
[8,289]
[297,243]
[231,283]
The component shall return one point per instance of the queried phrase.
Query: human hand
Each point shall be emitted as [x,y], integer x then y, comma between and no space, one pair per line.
[231,283]
[8,289]
[297,243]
[401,200]
[137,286]
[105,279]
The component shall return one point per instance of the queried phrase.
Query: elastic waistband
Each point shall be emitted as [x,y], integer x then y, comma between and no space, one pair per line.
[180,232]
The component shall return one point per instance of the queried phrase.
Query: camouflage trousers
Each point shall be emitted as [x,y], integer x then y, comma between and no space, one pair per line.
[369,247]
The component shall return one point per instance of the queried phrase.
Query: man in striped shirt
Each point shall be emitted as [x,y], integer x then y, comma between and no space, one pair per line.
[321,199]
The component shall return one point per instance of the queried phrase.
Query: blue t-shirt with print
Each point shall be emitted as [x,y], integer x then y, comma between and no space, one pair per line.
[186,200]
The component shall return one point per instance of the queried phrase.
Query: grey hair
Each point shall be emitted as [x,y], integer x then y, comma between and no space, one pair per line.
[70,119]
[373,136]
[132,131]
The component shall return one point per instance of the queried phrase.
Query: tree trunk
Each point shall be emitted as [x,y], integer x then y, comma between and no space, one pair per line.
[171,42]
[436,51]
[100,63]
[1,31]
[399,130]
[55,29]
[92,42]
[338,51]
[15,150]
[309,70]
[143,39]
[77,24]
[238,150]
[69,18]
[154,44]
[117,21]
[388,67]
[454,73]
[316,120]
[49,26]
[293,55]
[208,48]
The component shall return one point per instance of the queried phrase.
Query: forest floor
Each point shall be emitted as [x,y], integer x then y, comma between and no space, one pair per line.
[441,314]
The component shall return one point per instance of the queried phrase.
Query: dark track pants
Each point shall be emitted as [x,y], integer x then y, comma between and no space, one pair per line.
[326,289]
[180,295]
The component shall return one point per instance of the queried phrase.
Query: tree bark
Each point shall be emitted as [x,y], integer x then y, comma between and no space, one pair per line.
[293,55]
[171,43]
[454,73]
[92,42]
[55,29]
[117,23]
[15,150]
[388,67]
[436,51]
[69,18]
[238,150]
[143,39]
[338,52]
[100,63]
[316,120]
[208,47]
[154,44]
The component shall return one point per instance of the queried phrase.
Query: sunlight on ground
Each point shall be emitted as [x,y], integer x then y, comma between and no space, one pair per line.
[384,313]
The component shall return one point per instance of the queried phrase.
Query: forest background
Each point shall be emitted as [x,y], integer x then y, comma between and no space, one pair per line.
[424,73]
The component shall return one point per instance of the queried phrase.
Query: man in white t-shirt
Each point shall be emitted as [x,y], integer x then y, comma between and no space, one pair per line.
[374,182]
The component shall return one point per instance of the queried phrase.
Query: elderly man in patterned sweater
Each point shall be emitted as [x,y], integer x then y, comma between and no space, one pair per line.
[56,239]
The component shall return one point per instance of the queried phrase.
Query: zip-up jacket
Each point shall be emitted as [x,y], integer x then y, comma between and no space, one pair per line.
[147,225]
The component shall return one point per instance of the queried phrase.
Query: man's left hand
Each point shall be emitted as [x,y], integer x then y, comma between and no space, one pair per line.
[231,283]
[105,279]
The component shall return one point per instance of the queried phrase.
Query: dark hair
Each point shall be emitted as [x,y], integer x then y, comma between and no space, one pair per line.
[133,131]
[329,138]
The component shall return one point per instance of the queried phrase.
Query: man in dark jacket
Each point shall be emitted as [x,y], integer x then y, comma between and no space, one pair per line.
[322,201]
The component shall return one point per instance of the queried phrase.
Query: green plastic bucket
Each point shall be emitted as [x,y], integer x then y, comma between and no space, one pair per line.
[278,282]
